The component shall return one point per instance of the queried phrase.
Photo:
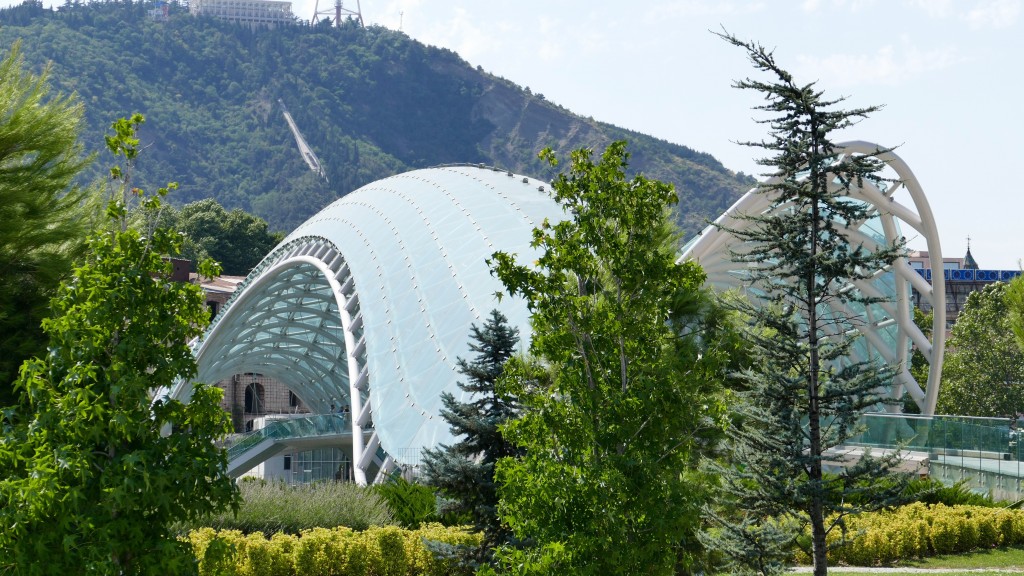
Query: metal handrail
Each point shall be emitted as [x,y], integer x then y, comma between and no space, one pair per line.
[291,428]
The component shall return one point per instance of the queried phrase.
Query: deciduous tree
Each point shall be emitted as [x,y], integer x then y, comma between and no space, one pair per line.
[983,372]
[1015,300]
[627,393]
[97,465]
[236,239]
[806,390]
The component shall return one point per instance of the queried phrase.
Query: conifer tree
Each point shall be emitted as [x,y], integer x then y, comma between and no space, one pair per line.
[43,229]
[804,393]
[464,471]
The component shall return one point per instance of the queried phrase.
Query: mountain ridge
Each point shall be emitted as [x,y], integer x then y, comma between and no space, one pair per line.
[371,102]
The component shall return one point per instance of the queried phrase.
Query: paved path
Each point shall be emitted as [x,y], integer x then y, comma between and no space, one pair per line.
[907,570]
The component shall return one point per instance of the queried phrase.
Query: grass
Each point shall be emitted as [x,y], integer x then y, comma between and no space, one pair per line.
[270,507]
[998,558]
[979,563]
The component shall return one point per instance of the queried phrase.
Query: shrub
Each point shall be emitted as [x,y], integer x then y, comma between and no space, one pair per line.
[919,530]
[379,551]
[394,559]
[933,491]
[412,504]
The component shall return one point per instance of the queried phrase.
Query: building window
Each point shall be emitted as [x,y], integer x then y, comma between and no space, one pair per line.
[287,461]
[293,400]
[254,398]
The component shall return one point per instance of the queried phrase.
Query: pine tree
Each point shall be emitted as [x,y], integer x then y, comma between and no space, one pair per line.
[805,393]
[43,227]
[464,471]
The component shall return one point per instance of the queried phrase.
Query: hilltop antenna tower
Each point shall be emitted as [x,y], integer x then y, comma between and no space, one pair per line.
[335,13]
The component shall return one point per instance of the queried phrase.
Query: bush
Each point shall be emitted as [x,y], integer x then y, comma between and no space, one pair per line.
[271,507]
[378,551]
[919,530]
[412,504]
[932,491]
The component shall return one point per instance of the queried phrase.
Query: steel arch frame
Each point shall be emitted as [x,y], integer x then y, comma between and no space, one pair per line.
[712,247]
[301,294]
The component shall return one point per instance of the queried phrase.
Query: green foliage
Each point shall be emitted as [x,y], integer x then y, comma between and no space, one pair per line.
[464,471]
[919,530]
[269,507]
[371,102]
[378,551]
[235,239]
[919,365]
[983,371]
[412,504]
[805,390]
[98,464]
[932,491]
[1015,302]
[621,396]
[44,222]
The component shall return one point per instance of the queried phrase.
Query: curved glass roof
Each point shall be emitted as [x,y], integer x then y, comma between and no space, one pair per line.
[370,301]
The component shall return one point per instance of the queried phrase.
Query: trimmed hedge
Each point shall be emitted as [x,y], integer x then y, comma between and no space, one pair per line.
[919,530]
[378,551]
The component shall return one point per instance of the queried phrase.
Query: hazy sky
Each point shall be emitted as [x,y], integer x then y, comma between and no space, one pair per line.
[949,74]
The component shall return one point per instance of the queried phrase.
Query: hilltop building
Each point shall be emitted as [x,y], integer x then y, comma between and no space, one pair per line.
[255,13]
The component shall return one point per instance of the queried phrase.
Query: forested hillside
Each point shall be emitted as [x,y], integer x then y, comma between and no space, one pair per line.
[371,102]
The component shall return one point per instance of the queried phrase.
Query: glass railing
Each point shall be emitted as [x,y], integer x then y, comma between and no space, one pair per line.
[992,438]
[303,427]
[984,454]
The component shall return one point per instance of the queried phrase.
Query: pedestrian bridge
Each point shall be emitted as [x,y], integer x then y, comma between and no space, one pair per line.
[295,434]
[369,303]
[984,453]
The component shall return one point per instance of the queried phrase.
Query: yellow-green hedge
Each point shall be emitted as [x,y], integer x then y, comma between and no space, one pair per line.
[379,551]
[919,530]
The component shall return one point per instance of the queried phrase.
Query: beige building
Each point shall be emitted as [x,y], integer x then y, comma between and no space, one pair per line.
[962,276]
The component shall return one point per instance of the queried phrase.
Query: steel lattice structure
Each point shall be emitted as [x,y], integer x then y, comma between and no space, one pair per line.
[887,328]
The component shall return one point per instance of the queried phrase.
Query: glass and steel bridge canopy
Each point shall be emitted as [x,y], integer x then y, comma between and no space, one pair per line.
[368,304]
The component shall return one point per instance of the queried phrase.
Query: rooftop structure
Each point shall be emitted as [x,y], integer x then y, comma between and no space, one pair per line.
[960,276]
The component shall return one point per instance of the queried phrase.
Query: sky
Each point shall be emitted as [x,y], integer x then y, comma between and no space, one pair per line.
[948,73]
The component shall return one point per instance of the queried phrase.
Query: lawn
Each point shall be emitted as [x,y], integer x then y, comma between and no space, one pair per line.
[982,563]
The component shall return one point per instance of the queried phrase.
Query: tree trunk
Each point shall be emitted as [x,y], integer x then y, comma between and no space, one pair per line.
[816,507]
